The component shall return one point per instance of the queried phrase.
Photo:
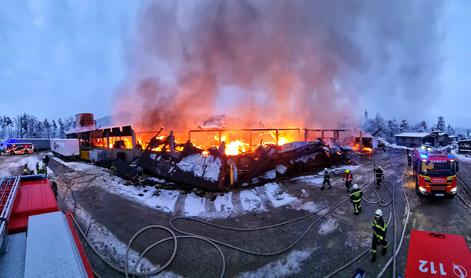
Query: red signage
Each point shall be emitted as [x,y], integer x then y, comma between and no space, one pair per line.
[437,255]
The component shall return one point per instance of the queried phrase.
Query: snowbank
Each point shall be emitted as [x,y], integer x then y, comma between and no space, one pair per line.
[206,167]
[281,268]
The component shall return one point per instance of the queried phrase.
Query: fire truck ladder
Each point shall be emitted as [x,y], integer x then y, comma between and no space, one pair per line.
[8,189]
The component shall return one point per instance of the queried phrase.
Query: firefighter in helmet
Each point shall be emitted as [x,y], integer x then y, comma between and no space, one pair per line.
[38,168]
[25,170]
[409,160]
[379,172]
[348,179]
[326,179]
[355,198]
[379,234]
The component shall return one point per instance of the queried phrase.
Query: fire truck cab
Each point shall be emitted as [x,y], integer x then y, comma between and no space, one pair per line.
[435,172]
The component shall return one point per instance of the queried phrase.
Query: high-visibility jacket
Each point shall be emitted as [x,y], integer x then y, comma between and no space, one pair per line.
[379,228]
[356,195]
[348,177]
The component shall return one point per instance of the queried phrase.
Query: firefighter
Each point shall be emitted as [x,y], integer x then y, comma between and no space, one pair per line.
[348,179]
[355,198]
[25,170]
[409,159]
[379,234]
[46,159]
[38,168]
[379,172]
[326,179]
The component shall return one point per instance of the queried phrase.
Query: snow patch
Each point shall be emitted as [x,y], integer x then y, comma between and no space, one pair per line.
[281,169]
[310,179]
[224,203]
[309,206]
[270,175]
[206,167]
[250,201]
[328,226]
[292,146]
[283,267]
[194,205]
[277,197]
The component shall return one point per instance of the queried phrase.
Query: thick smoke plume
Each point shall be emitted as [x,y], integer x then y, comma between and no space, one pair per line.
[276,62]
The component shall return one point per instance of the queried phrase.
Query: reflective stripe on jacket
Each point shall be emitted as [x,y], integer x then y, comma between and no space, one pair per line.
[379,228]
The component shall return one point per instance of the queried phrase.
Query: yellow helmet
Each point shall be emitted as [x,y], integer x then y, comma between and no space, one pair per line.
[347,171]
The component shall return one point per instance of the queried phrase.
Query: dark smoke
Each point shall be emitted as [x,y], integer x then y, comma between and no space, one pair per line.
[273,62]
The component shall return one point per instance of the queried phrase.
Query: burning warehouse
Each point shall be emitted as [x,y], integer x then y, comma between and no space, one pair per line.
[211,159]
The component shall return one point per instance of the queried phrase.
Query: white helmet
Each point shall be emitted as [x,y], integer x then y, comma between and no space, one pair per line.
[380,168]
[326,170]
[378,213]
[355,186]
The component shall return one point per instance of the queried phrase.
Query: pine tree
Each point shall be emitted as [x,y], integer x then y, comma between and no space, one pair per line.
[404,126]
[393,128]
[54,128]
[440,127]
[61,128]
[422,126]
[47,128]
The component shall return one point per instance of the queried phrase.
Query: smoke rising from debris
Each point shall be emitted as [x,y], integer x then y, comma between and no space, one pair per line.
[276,62]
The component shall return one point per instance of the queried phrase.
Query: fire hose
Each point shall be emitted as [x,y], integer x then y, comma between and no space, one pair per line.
[126,271]
[364,252]
[186,235]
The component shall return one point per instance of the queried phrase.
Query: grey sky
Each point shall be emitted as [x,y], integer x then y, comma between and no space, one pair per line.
[58,58]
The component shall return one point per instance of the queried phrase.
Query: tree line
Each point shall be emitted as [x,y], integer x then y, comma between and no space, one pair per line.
[29,126]
[391,127]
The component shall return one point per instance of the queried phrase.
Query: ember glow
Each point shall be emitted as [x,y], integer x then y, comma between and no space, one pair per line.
[356,148]
[236,147]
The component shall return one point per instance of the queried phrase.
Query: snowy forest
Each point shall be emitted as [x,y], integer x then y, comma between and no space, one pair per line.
[28,126]
[391,127]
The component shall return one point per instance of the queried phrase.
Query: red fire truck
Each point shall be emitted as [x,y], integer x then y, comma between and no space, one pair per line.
[435,172]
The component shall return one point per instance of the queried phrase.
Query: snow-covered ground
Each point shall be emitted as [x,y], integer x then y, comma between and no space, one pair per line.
[285,267]
[177,203]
